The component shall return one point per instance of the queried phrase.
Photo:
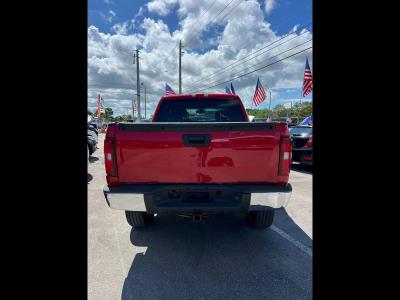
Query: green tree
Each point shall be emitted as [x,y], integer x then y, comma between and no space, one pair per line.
[107,115]
[123,118]
[258,113]
[303,110]
[280,111]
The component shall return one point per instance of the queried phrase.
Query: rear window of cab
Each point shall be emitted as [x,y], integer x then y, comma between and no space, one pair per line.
[200,110]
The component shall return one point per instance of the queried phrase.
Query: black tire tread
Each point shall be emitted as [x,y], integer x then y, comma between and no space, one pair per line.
[261,219]
[138,219]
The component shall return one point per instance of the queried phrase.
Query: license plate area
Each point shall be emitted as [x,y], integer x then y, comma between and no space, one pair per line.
[197,197]
[190,196]
[194,198]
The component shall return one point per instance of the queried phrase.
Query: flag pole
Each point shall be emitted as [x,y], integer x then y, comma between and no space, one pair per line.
[270,101]
[298,109]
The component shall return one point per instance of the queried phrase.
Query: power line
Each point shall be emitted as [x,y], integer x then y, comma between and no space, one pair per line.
[240,2]
[180,45]
[230,66]
[250,54]
[271,57]
[191,27]
[197,22]
[219,13]
[263,67]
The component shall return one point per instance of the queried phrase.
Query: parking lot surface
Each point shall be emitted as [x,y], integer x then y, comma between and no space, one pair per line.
[220,257]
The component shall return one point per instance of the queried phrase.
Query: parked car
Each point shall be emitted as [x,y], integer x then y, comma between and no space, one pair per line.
[200,155]
[92,140]
[92,145]
[92,134]
[301,136]
[93,128]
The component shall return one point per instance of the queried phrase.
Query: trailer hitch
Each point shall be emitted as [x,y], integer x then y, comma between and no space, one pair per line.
[196,217]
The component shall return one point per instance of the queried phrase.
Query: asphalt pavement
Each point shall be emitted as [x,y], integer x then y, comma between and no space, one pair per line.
[221,257]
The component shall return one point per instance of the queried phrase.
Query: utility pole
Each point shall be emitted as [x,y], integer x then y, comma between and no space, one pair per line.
[145,106]
[180,67]
[136,55]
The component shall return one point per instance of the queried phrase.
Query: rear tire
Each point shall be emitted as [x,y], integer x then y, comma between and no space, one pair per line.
[261,219]
[138,219]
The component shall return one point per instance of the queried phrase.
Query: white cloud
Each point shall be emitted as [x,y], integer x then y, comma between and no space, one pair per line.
[161,7]
[108,1]
[112,73]
[112,15]
[269,6]
[121,28]
[109,17]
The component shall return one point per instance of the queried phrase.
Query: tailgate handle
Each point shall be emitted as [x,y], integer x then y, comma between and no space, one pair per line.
[196,140]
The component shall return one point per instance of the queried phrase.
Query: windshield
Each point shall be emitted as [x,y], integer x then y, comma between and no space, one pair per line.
[200,110]
[296,130]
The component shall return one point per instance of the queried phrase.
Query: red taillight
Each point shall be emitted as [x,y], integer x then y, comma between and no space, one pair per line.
[285,158]
[110,160]
[309,142]
[109,157]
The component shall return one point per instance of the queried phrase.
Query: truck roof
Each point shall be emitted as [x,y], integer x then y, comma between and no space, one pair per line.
[185,96]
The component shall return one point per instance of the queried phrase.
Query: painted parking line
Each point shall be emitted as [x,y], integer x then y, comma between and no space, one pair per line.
[295,242]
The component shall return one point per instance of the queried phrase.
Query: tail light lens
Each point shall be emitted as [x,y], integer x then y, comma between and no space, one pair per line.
[285,158]
[110,160]
[309,142]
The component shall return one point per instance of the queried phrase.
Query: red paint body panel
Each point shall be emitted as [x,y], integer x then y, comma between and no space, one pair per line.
[232,157]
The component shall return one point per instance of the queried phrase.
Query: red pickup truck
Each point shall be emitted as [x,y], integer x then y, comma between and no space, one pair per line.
[199,156]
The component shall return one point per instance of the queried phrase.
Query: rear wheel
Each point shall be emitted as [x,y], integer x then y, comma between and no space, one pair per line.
[138,219]
[261,218]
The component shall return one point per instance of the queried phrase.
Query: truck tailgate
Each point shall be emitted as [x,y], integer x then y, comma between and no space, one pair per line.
[197,152]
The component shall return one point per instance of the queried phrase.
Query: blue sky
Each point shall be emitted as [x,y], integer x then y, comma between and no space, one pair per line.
[155,27]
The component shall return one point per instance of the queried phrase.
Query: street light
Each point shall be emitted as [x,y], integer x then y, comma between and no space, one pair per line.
[270,100]
[144,100]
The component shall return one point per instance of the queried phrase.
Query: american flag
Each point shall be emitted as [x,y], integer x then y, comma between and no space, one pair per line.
[307,121]
[168,90]
[232,89]
[307,82]
[102,105]
[259,94]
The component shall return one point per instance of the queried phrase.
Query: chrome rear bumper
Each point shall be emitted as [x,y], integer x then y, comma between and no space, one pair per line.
[132,197]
